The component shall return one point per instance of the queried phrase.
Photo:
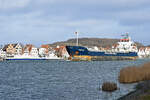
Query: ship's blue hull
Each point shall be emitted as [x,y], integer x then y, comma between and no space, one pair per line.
[82,51]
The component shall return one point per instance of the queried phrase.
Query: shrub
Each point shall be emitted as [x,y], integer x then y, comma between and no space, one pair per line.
[109,86]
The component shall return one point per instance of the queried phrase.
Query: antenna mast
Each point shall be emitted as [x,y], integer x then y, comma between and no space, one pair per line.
[77,38]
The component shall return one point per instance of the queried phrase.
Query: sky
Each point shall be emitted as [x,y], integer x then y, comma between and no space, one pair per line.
[46,21]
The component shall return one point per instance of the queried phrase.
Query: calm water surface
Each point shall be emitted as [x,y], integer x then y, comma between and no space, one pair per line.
[61,80]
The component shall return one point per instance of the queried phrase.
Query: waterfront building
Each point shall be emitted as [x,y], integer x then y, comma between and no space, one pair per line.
[13,49]
[62,52]
[9,49]
[141,52]
[18,49]
[30,50]
[44,50]
[2,53]
[147,51]
[34,51]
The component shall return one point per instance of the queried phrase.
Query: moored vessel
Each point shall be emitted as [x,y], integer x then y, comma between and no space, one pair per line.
[125,49]
[24,57]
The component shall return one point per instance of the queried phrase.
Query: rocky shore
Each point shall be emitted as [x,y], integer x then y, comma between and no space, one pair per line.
[142,92]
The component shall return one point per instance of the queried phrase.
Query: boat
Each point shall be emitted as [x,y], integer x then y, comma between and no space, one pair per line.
[125,49]
[51,56]
[24,57]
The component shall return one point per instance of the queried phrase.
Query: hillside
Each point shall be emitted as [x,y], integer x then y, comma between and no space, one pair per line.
[104,42]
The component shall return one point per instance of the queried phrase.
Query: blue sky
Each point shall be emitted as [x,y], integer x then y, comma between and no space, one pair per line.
[47,21]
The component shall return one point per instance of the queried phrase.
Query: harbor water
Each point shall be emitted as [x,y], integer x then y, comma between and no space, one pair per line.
[61,80]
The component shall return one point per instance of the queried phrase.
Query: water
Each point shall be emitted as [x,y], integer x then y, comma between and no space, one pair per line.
[61,80]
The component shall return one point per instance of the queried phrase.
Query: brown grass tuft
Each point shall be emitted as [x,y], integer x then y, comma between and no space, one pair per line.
[135,74]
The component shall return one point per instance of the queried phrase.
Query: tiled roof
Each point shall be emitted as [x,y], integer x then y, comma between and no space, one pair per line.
[5,47]
[28,47]
[45,46]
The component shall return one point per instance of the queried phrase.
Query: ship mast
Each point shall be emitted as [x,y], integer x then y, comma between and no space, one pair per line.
[77,38]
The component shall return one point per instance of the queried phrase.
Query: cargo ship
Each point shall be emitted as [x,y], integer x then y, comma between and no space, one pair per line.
[125,49]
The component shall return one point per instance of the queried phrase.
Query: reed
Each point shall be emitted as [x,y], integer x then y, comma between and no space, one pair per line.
[134,74]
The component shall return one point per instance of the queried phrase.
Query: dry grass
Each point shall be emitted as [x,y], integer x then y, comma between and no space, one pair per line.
[135,74]
[109,86]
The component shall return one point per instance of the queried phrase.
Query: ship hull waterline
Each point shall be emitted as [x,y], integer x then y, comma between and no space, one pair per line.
[100,58]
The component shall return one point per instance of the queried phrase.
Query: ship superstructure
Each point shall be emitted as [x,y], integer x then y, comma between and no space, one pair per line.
[126,44]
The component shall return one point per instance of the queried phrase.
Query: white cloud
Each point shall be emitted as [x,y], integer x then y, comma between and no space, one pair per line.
[56,20]
[9,4]
[46,1]
[99,2]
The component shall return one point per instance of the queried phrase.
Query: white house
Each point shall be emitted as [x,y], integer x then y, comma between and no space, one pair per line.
[18,49]
[30,50]
[42,52]
[2,53]
[141,52]
[147,51]
[144,52]
[34,52]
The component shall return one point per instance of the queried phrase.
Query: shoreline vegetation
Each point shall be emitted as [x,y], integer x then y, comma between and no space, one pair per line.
[134,74]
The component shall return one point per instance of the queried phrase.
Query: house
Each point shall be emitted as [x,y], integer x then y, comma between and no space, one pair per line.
[147,51]
[141,52]
[9,49]
[34,51]
[44,50]
[30,50]
[2,53]
[62,52]
[27,49]
[13,49]
[115,47]
[144,52]
[18,49]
